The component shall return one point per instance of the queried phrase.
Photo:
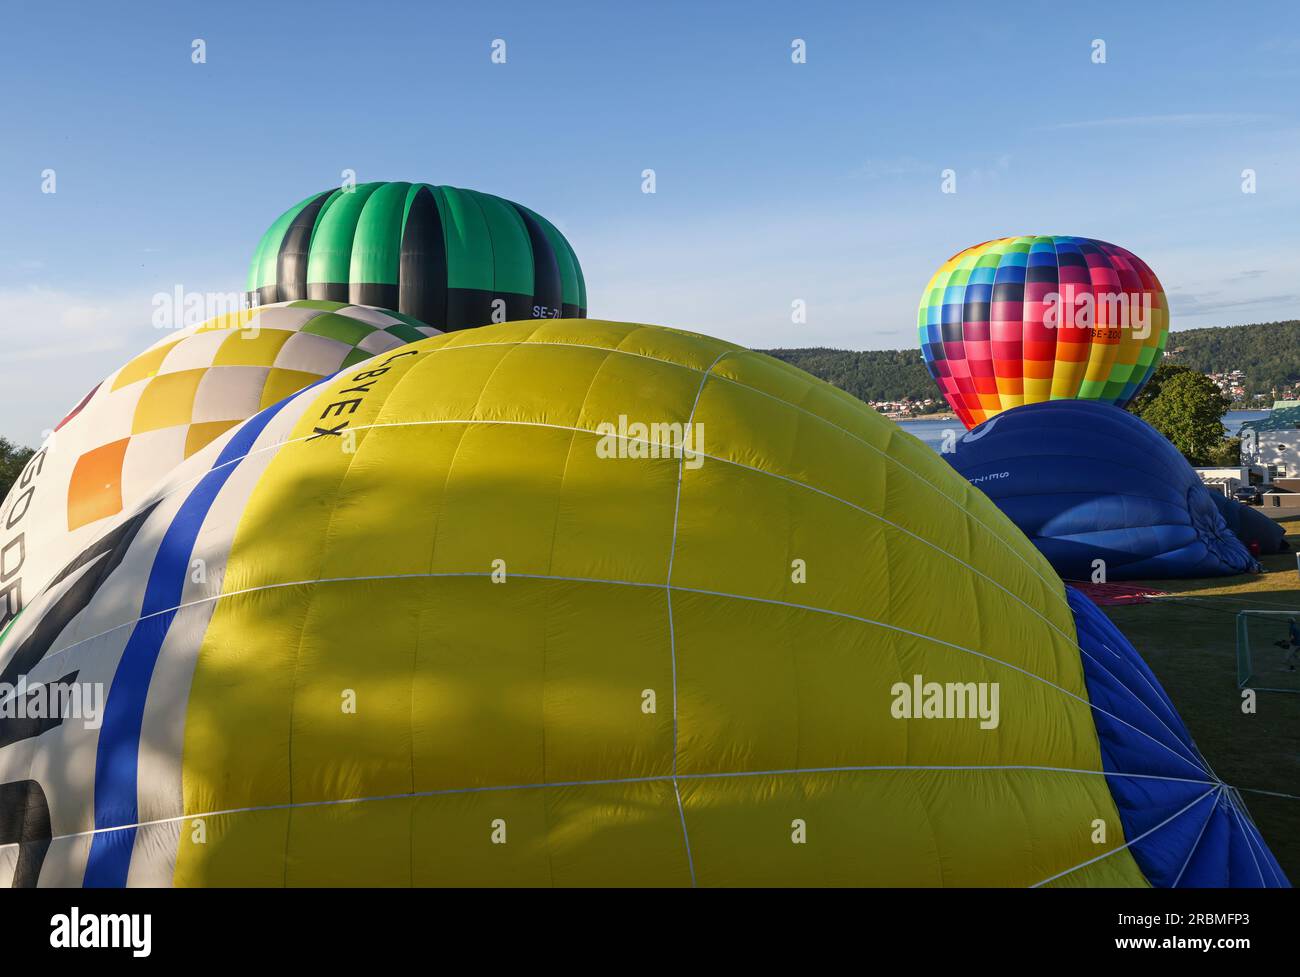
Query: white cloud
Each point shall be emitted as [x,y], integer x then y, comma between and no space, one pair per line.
[879,169]
[1184,119]
[56,345]
[41,323]
[735,276]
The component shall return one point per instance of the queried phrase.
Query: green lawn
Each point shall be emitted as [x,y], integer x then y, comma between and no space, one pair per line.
[1189,640]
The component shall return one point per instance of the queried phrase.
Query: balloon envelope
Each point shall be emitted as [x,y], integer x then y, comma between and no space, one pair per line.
[190,388]
[1022,320]
[1251,526]
[451,258]
[508,584]
[1088,482]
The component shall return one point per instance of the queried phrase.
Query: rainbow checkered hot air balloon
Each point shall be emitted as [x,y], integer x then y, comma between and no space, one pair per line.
[1022,320]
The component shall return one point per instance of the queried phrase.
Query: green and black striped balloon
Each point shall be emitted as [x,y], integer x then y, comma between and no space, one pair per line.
[440,254]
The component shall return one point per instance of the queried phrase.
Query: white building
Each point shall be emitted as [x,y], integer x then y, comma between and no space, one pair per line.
[1225,479]
[1272,446]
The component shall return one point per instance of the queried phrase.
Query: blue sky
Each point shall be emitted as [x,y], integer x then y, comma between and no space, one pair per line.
[775,181]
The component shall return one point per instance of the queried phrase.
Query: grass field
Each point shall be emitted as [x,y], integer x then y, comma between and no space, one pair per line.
[1189,640]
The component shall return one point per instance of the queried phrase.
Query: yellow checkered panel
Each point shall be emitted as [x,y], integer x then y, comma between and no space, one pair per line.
[170,402]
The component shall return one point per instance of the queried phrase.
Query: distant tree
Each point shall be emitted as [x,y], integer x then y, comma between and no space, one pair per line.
[1188,410]
[888,374]
[12,459]
[1266,353]
[1227,454]
[1149,393]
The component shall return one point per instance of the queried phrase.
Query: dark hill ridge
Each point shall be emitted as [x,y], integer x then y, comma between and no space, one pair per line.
[890,374]
[1267,352]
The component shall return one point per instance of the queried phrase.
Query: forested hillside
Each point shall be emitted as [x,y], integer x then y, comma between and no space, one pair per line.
[889,374]
[1268,353]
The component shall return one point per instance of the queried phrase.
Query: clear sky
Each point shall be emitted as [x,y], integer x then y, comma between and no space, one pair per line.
[776,181]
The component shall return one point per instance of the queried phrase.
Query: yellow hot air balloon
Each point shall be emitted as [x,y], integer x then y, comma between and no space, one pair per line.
[591,603]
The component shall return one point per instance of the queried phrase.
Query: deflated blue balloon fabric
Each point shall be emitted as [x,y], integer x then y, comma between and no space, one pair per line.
[1087,481]
[1184,826]
[1250,525]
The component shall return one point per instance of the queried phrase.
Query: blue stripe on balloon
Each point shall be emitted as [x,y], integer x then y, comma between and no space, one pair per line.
[1207,844]
[117,759]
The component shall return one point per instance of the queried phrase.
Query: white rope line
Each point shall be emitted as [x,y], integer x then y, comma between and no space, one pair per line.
[1254,839]
[682,451]
[1127,844]
[1248,831]
[1161,696]
[669,588]
[1050,583]
[1070,642]
[1199,757]
[668,600]
[1051,586]
[1268,793]
[1191,852]
[627,583]
[1235,598]
[949,644]
[614,781]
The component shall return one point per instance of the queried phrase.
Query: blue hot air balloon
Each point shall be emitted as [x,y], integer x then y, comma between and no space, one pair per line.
[1251,526]
[1086,481]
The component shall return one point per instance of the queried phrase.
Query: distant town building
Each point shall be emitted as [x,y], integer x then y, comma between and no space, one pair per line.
[1225,479]
[1231,384]
[1271,446]
[908,407]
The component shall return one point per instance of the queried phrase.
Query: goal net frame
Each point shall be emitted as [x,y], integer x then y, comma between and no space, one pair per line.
[1246,657]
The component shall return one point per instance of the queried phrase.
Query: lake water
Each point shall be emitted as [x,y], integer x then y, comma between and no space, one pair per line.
[932,432]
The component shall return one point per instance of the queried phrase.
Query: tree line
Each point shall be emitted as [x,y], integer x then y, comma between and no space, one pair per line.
[12,459]
[883,374]
[1268,353]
